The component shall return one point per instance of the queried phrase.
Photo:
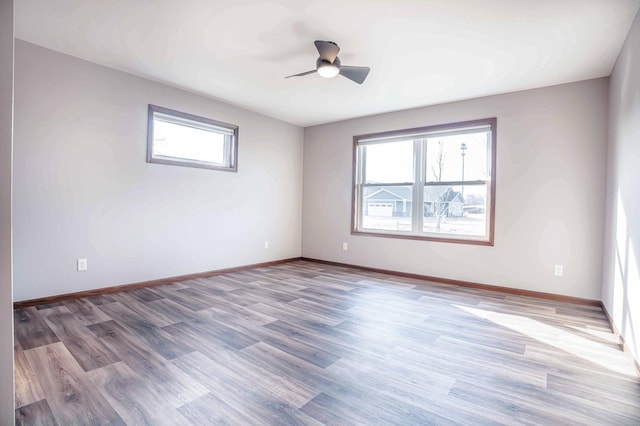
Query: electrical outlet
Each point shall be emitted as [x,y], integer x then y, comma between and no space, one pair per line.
[266,244]
[82,264]
[345,246]
[558,270]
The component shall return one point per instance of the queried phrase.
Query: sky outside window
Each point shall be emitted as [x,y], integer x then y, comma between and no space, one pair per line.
[179,141]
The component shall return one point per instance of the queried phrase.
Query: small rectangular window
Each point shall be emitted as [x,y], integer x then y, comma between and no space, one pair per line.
[183,139]
[434,183]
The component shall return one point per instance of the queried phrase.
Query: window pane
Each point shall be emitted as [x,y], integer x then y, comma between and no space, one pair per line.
[389,162]
[462,157]
[387,207]
[455,210]
[181,139]
[431,183]
[173,140]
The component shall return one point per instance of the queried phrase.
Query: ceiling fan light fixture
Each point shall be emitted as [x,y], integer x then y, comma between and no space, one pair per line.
[328,64]
[328,70]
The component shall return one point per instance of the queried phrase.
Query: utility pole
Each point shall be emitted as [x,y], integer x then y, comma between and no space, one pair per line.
[463,148]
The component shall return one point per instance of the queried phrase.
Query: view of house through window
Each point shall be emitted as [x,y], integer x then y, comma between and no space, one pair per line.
[432,183]
[187,140]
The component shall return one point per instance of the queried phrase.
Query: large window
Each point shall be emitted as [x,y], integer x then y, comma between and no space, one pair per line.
[187,140]
[432,183]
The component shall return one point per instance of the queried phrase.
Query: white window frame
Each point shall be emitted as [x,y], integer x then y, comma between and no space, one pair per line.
[419,135]
[229,131]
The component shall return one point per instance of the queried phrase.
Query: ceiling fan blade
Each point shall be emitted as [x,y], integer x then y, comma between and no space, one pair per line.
[328,50]
[301,74]
[357,74]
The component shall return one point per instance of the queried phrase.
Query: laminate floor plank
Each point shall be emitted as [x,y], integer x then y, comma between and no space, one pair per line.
[149,332]
[217,284]
[133,399]
[188,335]
[145,294]
[599,395]
[377,315]
[89,352]
[520,414]
[286,312]
[246,277]
[302,350]
[338,287]
[211,410]
[27,386]
[37,413]
[486,339]
[147,313]
[578,364]
[167,382]
[240,393]
[367,346]
[85,311]
[183,299]
[290,391]
[209,287]
[311,343]
[375,409]
[251,296]
[525,402]
[267,291]
[49,305]
[100,299]
[601,385]
[306,350]
[31,330]
[286,285]
[464,366]
[224,333]
[72,397]
[419,388]
[497,362]
[279,386]
[378,331]
[175,312]
[228,312]
[206,298]
[331,346]
[226,281]
[319,310]
[333,411]
[378,408]
[300,370]
[334,302]
[412,381]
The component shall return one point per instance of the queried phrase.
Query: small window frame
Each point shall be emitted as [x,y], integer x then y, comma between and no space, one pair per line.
[230,131]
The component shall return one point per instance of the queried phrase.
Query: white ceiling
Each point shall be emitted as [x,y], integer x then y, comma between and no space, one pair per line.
[421,52]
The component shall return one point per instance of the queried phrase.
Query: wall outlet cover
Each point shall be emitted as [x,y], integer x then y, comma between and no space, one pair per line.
[558,270]
[82,264]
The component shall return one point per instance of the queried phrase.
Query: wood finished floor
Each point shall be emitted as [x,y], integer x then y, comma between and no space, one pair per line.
[306,343]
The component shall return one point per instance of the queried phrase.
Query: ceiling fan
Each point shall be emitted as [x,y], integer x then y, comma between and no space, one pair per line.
[328,64]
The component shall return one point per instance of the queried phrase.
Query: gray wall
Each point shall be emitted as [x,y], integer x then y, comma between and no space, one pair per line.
[621,276]
[6,120]
[84,190]
[549,199]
